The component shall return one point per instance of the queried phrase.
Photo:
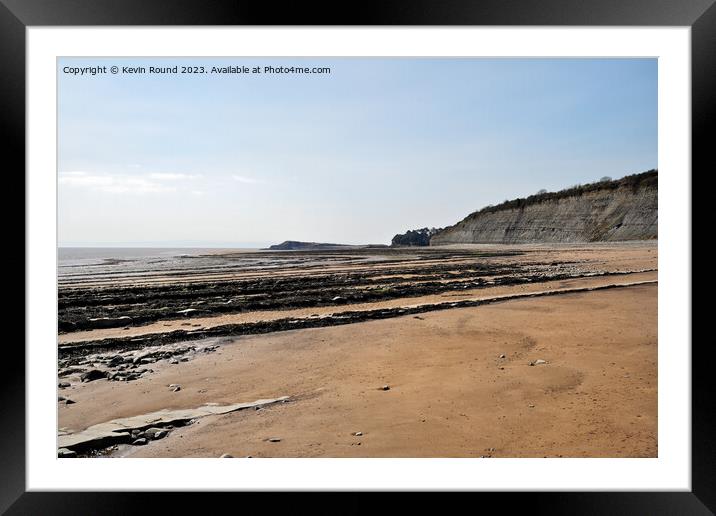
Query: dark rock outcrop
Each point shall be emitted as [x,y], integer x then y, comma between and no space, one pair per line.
[414,237]
[293,245]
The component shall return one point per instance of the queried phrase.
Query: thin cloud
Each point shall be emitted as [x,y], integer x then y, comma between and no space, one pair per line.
[168,176]
[112,183]
[245,180]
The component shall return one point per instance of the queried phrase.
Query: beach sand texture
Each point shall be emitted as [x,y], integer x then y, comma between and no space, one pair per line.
[572,374]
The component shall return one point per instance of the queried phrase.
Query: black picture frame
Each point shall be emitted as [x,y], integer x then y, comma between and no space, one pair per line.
[17,15]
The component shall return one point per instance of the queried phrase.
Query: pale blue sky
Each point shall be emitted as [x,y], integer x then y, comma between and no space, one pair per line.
[376,147]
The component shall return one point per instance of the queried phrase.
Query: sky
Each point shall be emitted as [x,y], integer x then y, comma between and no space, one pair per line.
[373,148]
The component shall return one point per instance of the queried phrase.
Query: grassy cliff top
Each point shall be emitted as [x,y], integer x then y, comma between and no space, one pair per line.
[634,182]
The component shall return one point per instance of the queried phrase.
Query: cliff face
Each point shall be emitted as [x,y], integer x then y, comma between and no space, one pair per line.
[611,211]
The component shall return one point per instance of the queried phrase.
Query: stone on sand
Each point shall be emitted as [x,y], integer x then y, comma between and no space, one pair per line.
[93,374]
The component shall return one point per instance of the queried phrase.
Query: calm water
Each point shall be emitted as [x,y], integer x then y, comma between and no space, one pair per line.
[69,256]
[83,262]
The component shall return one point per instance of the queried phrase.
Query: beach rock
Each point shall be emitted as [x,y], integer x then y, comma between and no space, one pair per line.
[109,322]
[226,456]
[63,385]
[140,442]
[173,361]
[69,370]
[539,361]
[65,453]
[93,374]
[155,433]
[118,430]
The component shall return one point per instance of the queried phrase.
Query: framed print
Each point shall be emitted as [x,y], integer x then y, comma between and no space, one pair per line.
[426,248]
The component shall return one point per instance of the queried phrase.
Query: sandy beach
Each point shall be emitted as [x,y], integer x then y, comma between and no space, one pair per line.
[472,351]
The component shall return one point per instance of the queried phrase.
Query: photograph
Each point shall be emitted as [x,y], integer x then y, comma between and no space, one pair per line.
[357,257]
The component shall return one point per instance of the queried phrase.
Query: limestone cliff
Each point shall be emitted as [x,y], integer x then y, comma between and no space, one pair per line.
[624,209]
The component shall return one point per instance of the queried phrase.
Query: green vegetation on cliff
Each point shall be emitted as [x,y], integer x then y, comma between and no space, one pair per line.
[634,182]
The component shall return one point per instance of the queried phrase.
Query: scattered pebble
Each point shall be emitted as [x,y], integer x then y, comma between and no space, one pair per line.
[226,456]
[385,388]
[273,440]
[502,355]
[357,434]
